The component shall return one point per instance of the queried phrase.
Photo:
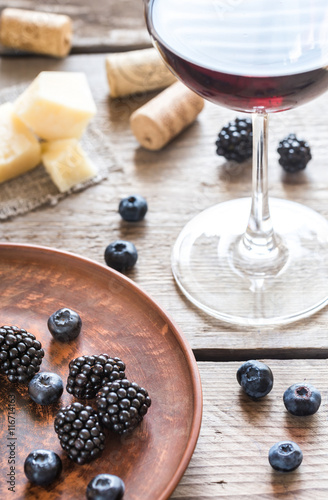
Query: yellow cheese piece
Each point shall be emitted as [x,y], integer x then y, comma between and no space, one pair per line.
[66,163]
[19,148]
[57,105]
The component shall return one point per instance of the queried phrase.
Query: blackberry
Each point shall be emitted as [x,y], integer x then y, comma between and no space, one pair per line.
[20,354]
[80,432]
[235,140]
[87,374]
[294,154]
[122,405]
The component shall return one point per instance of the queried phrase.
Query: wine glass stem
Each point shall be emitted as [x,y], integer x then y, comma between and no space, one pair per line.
[259,237]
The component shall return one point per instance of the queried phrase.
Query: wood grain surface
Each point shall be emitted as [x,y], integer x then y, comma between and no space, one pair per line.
[230,460]
[231,457]
[178,182]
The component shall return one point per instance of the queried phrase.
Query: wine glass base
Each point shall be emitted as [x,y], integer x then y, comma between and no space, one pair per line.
[205,270]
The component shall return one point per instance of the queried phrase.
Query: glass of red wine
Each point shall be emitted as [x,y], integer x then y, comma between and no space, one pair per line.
[250,261]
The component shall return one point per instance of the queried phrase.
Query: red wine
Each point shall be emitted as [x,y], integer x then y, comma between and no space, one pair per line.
[247,55]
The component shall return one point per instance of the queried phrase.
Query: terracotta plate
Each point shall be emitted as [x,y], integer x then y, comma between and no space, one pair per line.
[118,319]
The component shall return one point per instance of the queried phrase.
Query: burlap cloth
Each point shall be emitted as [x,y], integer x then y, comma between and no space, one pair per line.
[35,188]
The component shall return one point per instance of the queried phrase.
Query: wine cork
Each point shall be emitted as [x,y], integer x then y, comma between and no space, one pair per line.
[136,71]
[165,116]
[38,32]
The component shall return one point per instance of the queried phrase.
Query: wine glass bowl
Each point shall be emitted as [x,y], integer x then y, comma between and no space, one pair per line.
[255,260]
[251,57]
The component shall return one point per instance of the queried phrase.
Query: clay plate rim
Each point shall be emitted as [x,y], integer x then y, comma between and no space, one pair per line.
[16,248]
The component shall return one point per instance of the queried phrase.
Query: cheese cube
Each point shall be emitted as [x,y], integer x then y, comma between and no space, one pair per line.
[57,105]
[66,163]
[19,148]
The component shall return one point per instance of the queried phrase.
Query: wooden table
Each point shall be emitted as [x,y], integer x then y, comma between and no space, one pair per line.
[230,460]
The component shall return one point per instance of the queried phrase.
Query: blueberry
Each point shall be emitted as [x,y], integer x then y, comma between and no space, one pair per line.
[42,467]
[255,378]
[133,208]
[65,324]
[105,487]
[302,399]
[121,255]
[285,456]
[45,388]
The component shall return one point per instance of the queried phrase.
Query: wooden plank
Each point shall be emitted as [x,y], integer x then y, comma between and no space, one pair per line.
[98,26]
[231,457]
[178,182]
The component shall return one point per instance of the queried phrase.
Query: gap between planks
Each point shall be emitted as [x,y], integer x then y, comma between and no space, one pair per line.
[212,354]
